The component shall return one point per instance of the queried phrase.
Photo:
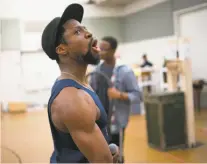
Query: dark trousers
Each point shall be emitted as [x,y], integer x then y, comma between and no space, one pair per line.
[115,138]
[197,99]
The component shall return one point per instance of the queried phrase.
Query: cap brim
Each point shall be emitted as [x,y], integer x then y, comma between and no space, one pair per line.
[74,11]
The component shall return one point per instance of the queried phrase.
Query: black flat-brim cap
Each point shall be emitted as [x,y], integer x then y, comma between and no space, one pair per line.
[49,36]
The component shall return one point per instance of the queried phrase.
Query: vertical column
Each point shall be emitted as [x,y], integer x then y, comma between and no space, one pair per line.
[189,106]
[172,81]
[10,72]
[11,35]
[184,69]
[172,75]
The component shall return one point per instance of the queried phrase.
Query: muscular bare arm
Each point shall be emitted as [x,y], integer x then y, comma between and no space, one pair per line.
[79,114]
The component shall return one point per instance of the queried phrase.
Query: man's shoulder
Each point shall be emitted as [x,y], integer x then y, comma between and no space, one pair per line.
[70,99]
[66,95]
[123,68]
[70,95]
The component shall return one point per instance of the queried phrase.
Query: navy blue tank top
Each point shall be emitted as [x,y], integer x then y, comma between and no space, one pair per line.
[66,150]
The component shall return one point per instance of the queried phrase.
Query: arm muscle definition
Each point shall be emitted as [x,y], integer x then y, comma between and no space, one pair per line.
[79,115]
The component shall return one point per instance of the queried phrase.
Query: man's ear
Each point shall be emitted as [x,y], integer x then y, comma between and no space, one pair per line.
[61,50]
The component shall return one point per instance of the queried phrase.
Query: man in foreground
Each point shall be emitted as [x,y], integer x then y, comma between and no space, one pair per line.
[125,93]
[76,116]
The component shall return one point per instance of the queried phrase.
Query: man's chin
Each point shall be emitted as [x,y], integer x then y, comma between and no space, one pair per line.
[91,58]
[95,62]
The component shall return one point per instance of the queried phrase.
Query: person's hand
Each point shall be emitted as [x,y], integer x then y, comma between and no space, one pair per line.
[116,158]
[113,93]
[115,152]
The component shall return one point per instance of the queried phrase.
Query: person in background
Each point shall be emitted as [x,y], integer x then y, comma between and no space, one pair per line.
[125,93]
[146,62]
[146,75]
[165,73]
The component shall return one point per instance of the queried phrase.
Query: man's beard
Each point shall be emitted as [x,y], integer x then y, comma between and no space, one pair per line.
[89,57]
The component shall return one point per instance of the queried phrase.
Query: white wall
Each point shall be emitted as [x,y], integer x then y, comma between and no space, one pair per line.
[31,41]
[27,78]
[38,71]
[10,81]
[38,75]
[193,25]
[10,34]
[155,49]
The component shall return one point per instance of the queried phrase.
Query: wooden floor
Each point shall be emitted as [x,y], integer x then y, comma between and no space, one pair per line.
[26,138]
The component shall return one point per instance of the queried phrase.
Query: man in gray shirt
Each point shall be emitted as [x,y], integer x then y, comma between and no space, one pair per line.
[125,92]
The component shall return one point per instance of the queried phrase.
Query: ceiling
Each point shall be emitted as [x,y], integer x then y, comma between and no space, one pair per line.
[113,2]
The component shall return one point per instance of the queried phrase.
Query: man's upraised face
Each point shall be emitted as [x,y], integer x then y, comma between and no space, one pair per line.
[80,44]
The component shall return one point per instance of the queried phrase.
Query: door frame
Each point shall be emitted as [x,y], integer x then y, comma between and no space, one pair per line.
[179,13]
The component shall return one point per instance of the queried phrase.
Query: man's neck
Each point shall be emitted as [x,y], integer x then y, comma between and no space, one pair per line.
[111,62]
[75,69]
